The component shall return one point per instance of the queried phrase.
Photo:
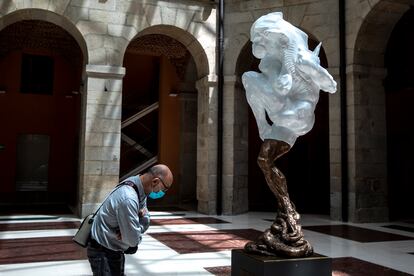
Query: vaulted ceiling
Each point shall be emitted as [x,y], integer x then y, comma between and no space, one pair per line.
[158,45]
[39,35]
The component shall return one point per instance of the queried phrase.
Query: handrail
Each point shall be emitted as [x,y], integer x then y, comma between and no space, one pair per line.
[137,146]
[139,115]
[140,168]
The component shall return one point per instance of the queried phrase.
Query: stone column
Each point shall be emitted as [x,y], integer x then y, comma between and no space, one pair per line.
[188,153]
[100,135]
[368,190]
[235,150]
[335,148]
[207,145]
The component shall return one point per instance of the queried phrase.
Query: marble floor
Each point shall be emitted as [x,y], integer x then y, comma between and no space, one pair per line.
[188,243]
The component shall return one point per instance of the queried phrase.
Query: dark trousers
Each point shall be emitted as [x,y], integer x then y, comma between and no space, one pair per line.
[105,262]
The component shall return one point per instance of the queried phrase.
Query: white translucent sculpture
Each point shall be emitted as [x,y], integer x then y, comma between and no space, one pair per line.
[291,76]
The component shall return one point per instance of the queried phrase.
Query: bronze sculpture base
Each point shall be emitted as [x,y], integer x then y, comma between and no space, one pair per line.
[285,237]
[243,263]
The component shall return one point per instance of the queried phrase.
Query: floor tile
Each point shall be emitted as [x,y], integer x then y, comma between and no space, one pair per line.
[356,233]
[340,267]
[39,226]
[16,218]
[206,241]
[61,209]
[400,227]
[219,270]
[355,267]
[162,208]
[200,220]
[29,249]
[40,250]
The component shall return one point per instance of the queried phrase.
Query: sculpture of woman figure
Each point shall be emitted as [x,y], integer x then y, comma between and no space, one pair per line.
[287,89]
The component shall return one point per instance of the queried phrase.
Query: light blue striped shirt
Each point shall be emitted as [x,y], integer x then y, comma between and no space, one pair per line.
[119,213]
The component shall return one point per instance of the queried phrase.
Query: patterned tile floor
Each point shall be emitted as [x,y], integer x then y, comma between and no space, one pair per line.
[357,233]
[188,243]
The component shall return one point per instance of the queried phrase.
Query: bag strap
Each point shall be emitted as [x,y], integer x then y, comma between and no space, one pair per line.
[116,188]
[132,184]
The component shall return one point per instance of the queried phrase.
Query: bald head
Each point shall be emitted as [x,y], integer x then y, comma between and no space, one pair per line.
[163,172]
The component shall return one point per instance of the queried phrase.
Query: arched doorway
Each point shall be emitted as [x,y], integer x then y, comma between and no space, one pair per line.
[306,166]
[40,84]
[399,96]
[159,114]
[375,113]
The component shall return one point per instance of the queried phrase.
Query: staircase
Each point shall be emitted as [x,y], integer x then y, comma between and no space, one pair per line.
[139,141]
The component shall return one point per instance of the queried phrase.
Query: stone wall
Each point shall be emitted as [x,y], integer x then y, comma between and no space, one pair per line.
[103,30]
[369,25]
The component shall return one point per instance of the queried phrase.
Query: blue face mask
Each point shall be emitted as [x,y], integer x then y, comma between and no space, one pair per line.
[156,195]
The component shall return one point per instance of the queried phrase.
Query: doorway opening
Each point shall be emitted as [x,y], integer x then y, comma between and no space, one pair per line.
[39,118]
[159,116]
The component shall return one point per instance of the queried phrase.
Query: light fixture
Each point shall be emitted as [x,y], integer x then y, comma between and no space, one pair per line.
[173,93]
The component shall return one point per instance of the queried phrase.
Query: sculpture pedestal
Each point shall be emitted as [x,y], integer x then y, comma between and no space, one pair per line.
[244,264]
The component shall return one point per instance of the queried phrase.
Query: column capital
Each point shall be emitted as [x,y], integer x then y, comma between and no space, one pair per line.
[105,71]
[207,81]
[230,79]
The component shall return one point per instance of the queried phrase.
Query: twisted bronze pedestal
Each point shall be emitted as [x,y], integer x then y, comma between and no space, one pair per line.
[285,236]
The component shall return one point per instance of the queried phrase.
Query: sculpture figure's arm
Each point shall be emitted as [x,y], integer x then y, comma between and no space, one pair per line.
[254,85]
[312,71]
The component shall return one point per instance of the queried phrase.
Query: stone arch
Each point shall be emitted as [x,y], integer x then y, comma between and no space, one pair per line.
[188,40]
[233,52]
[374,32]
[54,34]
[366,111]
[48,16]
[186,55]
[399,96]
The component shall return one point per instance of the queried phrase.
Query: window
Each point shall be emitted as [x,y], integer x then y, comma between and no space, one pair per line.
[37,74]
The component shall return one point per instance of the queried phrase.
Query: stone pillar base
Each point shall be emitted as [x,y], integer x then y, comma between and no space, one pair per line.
[88,208]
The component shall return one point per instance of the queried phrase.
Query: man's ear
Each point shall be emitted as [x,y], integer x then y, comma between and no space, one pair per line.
[154,182]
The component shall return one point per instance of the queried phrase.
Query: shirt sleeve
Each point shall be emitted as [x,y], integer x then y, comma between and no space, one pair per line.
[128,221]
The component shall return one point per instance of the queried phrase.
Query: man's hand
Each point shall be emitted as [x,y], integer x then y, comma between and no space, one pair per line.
[144,219]
[142,212]
[118,235]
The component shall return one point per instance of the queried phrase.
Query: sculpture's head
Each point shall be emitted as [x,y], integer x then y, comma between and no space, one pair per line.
[271,34]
